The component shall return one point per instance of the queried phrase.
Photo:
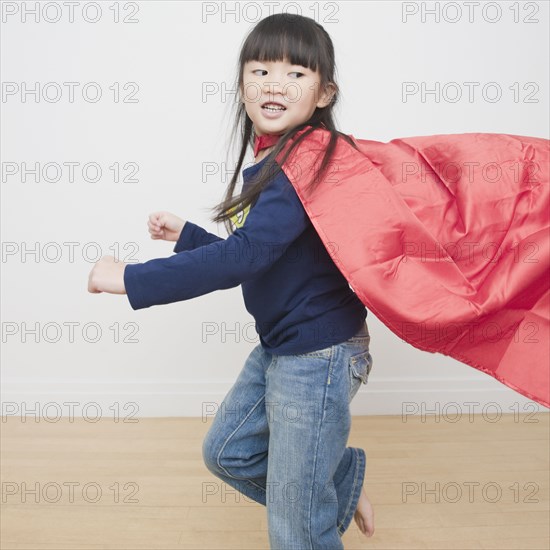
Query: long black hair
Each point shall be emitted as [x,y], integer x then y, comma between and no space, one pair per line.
[304,42]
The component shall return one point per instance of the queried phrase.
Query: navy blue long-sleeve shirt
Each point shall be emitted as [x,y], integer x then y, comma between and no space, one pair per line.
[298,297]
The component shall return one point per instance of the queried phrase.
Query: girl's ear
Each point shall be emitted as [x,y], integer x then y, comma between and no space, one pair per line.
[327,95]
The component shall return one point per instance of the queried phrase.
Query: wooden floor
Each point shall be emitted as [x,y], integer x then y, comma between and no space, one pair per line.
[143,485]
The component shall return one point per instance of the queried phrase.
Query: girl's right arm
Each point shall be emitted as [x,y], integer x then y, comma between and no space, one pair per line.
[274,223]
[187,235]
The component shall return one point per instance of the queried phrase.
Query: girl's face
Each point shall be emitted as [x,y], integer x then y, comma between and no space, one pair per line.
[294,89]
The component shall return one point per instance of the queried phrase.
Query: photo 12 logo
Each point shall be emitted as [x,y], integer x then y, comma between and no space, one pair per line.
[69,92]
[69,12]
[252,12]
[68,492]
[69,172]
[469,12]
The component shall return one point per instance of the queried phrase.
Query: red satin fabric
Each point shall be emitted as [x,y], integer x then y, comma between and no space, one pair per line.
[445,238]
[263,142]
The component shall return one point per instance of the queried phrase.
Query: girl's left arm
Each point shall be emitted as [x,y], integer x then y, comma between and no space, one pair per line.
[275,221]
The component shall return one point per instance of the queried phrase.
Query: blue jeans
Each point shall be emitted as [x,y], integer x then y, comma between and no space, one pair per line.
[280,435]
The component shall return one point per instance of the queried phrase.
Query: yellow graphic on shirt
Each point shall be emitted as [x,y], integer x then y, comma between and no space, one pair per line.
[239,218]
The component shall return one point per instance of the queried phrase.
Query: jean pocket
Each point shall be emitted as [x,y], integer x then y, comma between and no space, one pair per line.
[359,367]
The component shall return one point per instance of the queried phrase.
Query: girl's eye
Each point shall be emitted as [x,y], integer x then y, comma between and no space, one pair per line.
[263,70]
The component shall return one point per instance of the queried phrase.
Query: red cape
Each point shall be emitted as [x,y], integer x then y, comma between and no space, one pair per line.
[445,239]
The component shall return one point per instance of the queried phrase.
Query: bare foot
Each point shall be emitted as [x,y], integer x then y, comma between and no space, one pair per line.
[364,515]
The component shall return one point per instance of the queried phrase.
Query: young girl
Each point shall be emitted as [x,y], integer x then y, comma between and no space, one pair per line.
[280,434]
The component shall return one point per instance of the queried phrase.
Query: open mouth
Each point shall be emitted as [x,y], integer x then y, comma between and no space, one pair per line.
[273,107]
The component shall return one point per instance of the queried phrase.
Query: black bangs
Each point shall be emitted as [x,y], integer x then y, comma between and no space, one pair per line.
[284,36]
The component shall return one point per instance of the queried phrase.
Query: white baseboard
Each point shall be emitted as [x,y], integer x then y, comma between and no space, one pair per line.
[126,401]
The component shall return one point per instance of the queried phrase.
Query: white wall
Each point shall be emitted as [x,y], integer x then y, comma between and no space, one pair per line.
[172,50]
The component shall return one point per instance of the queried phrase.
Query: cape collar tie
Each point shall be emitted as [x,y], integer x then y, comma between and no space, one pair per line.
[263,142]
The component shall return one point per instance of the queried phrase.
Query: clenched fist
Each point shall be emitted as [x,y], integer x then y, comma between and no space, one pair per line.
[165,226]
[107,275]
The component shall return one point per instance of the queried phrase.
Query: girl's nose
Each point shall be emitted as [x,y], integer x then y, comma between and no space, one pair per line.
[273,85]
[272,91]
